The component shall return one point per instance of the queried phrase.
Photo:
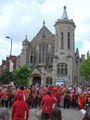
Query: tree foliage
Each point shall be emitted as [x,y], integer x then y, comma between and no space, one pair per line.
[6,77]
[85,69]
[21,76]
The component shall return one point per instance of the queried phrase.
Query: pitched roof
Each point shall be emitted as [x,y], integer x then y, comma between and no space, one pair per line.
[44,33]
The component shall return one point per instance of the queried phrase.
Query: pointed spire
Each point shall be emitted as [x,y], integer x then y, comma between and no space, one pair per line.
[64,16]
[88,54]
[26,37]
[43,22]
[77,51]
[26,40]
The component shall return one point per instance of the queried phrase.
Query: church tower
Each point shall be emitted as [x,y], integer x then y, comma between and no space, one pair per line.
[24,56]
[64,49]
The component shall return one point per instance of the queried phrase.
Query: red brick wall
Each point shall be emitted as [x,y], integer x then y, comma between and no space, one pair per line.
[5,63]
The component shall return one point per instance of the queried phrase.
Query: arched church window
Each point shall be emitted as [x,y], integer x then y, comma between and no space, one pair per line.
[62,40]
[62,69]
[69,40]
[56,41]
[43,53]
[40,54]
[32,57]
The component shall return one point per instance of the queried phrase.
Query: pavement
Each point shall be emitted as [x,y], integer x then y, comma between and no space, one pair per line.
[71,114]
[67,114]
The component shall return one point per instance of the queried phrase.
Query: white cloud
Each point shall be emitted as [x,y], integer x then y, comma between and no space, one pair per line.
[26,19]
[21,17]
[5,17]
[85,47]
[17,47]
[40,1]
[5,46]
[50,7]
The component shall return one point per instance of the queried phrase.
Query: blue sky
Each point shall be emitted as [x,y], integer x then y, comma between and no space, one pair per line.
[19,18]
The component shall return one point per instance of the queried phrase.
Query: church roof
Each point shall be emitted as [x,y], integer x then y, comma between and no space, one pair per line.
[43,33]
[64,16]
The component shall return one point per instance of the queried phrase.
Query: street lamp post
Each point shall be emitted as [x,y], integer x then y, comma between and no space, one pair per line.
[10,61]
[11,44]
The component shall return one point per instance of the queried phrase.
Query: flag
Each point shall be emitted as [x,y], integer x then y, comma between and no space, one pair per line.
[11,66]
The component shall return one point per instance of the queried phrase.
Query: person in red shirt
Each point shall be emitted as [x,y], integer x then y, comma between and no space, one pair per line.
[81,102]
[21,90]
[55,92]
[19,108]
[47,105]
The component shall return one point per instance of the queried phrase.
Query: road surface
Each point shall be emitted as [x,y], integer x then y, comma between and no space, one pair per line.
[66,114]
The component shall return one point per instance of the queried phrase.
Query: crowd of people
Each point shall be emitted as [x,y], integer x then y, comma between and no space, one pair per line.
[47,97]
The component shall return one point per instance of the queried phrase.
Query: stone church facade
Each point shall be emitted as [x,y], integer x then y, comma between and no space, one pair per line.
[53,57]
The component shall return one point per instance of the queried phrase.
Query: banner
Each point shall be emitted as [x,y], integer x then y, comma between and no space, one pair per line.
[11,66]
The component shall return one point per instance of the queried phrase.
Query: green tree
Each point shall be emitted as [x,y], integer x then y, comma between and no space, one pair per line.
[6,77]
[21,76]
[85,69]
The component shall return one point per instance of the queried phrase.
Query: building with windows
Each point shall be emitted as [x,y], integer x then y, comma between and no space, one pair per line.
[53,56]
[9,64]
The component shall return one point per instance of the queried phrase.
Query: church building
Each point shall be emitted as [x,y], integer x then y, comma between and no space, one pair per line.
[53,57]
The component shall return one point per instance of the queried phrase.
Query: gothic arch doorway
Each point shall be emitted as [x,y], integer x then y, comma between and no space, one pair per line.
[36,80]
[49,81]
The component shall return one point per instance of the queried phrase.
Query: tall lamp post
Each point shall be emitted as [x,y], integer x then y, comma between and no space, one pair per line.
[11,44]
[10,61]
